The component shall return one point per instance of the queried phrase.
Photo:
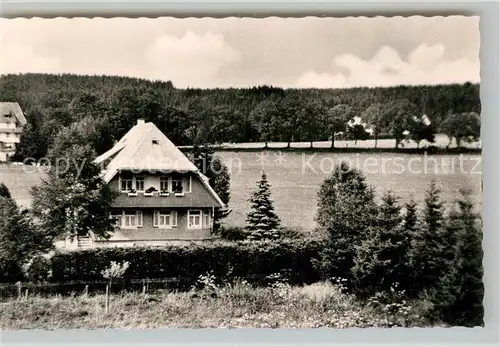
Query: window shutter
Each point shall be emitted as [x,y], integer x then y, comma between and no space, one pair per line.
[174,218]
[139,219]
[155,218]
[206,219]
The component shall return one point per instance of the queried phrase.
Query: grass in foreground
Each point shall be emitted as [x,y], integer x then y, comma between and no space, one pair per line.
[236,306]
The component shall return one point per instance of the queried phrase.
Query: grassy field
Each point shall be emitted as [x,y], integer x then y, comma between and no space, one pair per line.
[235,306]
[295,178]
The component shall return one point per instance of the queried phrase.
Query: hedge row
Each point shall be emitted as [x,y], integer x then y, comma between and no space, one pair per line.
[224,259]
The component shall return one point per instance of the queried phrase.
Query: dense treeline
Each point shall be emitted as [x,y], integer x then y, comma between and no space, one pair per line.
[113,104]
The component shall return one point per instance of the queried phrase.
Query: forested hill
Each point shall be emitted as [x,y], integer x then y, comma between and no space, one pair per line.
[113,104]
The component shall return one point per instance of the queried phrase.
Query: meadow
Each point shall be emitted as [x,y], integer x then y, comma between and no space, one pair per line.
[232,306]
[296,176]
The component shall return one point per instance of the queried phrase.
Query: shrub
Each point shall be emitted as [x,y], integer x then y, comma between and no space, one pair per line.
[231,233]
[252,260]
[115,270]
[4,191]
[19,240]
[10,272]
[39,269]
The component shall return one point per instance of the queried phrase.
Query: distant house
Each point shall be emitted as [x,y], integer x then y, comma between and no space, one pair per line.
[12,121]
[163,197]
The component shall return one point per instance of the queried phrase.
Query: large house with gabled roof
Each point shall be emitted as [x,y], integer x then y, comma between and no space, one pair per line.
[163,197]
[12,121]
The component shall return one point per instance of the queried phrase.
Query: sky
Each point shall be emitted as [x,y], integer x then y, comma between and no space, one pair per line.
[243,52]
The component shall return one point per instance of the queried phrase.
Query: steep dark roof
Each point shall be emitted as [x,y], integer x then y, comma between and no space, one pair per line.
[146,148]
[12,108]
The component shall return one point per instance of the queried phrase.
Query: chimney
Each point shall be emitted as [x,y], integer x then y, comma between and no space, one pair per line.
[140,121]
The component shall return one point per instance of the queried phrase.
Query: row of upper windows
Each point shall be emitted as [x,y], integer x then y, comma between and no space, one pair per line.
[174,183]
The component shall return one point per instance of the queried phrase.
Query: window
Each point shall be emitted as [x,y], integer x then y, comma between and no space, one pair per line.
[129,219]
[194,219]
[126,183]
[177,183]
[139,183]
[206,219]
[164,184]
[117,217]
[165,219]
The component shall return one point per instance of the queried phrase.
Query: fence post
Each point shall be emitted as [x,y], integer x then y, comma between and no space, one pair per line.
[26,294]
[143,287]
[86,290]
[19,292]
[107,299]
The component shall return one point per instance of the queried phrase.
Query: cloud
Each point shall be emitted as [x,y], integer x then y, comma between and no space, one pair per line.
[191,60]
[21,58]
[424,65]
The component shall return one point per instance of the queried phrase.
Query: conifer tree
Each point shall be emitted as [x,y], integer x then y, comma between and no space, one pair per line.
[467,308]
[411,227]
[4,191]
[263,223]
[432,243]
[383,259]
[433,212]
[347,212]
[389,212]
[410,221]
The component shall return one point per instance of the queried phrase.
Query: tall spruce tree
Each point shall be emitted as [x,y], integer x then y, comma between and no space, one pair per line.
[383,259]
[434,247]
[467,306]
[411,227]
[389,215]
[263,223]
[433,212]
[410,220]
[347,212]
